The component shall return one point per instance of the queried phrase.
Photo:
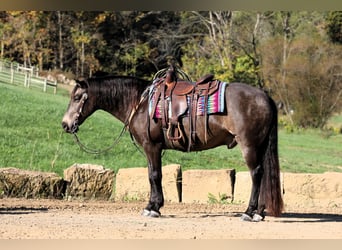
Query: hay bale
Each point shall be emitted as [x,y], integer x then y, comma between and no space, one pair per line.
[30,184]
[88,181]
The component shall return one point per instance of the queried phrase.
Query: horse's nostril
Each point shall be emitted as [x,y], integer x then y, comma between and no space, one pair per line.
[65,126]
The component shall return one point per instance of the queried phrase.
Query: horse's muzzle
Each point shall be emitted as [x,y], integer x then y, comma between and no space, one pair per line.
[70,129]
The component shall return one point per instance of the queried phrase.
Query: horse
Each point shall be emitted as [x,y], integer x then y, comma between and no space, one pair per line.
[250,120]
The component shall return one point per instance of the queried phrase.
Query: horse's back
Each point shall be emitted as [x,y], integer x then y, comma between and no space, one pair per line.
[246,92]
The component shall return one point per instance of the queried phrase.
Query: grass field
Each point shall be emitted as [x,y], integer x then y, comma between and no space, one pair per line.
[31,138]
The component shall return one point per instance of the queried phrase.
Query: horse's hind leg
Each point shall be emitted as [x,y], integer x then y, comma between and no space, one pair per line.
[156,201]
[254,211]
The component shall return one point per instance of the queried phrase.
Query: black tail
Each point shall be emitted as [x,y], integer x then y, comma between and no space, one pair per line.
[270,186]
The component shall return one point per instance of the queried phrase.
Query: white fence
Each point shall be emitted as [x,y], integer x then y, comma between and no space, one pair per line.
[14,73]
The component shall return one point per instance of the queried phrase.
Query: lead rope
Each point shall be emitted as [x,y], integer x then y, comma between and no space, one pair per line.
[97,151]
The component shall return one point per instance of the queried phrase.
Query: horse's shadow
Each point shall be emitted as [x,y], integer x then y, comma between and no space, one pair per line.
[284,218]
[21,210]
[310,217]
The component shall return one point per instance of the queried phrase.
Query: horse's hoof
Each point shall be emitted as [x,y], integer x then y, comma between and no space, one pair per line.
[257,218]
[154,214]
[245,217]
[148,213]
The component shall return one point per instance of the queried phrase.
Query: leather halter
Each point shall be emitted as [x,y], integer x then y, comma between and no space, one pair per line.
[81,104]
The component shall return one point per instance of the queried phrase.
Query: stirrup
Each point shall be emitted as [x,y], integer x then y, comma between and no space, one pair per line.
[170,130]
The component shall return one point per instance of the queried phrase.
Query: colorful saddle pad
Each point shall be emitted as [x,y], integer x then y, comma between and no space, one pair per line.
[215,102]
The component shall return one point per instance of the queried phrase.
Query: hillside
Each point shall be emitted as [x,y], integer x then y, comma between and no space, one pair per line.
[32,138]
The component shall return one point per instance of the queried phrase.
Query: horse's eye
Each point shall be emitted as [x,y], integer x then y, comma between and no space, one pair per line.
[77,98]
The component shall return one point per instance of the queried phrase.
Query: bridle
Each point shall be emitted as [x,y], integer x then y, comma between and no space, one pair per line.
[116,141]
[82,101]
[79,112]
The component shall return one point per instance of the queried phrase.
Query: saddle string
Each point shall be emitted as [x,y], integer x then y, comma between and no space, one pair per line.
[162,73]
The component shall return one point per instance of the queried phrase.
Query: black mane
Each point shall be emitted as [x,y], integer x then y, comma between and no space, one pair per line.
[117,90]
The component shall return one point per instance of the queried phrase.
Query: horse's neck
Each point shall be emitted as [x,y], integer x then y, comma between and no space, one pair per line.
[120,107]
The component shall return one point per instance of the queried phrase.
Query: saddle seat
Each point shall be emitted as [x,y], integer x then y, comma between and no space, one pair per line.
[185,87]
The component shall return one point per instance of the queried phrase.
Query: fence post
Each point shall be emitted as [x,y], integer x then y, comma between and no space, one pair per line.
[55,90]
[26,84]
[12,74]
[45,83]
[29,79]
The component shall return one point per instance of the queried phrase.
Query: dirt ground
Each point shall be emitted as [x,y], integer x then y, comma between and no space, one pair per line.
[61,219]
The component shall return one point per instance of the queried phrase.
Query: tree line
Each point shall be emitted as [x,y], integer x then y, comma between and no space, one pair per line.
[294,55]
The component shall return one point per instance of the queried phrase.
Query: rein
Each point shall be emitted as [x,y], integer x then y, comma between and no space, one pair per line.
[96,151]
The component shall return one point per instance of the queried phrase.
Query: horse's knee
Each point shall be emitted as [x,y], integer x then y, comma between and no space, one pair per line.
[155,175]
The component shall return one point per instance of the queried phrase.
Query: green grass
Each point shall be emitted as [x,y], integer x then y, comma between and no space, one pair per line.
[310,151]
[31,138]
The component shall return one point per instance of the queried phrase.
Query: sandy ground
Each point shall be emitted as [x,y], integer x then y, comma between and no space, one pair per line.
[61,219]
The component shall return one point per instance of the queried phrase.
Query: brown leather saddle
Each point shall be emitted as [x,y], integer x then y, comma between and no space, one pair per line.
[179,98]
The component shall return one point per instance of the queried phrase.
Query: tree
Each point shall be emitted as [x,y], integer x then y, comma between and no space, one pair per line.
[139,42]
[160,38]
[6,30]
[24,30]
[315,81]
[293,54]
[334,26]
[228,44]
[276,51]
[60,17]
[208,49]
[302,69]
[248,29]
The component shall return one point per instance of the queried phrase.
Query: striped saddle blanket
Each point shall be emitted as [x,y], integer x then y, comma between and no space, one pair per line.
[215,103]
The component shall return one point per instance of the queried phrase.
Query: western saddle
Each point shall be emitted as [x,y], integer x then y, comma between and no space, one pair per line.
[179,98]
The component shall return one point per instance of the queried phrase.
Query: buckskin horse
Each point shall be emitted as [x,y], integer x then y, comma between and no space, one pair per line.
[249,119]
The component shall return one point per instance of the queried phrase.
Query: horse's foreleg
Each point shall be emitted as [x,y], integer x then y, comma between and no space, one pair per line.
[155,177]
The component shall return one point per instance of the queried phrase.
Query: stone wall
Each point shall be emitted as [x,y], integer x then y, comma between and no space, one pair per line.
[84,181]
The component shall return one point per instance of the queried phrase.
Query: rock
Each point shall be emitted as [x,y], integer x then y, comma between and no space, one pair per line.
[243,187]
[313,189]
[89,182]
[132,184]
[201,185]
[300,189]
[30,184]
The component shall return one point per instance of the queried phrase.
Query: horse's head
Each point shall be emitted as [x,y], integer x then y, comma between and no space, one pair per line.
[80,107]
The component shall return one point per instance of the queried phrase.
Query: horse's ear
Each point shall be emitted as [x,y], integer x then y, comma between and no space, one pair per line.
[82,83]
